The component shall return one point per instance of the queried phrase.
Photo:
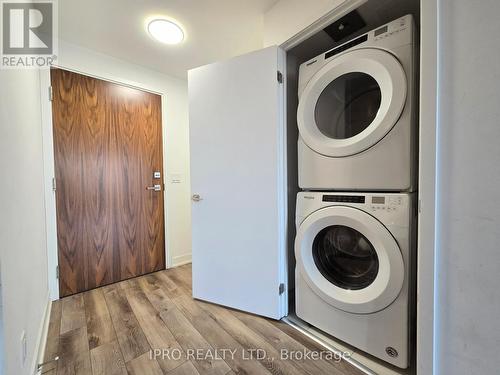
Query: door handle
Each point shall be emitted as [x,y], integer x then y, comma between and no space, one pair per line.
[154,187]
[196,198]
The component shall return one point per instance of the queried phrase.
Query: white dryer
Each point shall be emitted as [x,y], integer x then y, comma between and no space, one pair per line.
[357,114]
[354,266]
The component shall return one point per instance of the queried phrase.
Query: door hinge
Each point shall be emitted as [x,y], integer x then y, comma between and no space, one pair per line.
[54,184]
[281,289]
[51,94]
[280,77]
[57,272]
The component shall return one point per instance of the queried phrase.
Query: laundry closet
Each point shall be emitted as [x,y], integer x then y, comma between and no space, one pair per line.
[304,180]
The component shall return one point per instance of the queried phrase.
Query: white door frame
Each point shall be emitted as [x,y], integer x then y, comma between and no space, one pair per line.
[427,195]
[427,218]
[49,170]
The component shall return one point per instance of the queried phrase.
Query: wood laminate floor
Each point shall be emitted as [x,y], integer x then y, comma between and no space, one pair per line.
[118,329]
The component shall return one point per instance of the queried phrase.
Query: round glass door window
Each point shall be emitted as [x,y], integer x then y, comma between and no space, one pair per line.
[345,257]
[348,105]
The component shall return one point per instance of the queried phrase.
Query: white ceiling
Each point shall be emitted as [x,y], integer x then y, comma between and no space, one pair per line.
[215,30]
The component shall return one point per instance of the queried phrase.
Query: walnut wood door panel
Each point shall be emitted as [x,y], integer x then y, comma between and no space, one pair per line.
[107,144]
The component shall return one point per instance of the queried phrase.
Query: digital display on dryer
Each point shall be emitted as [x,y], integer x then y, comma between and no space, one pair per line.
[378,200]
[381,31]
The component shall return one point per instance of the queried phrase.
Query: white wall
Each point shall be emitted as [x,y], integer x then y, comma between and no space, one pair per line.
[468,300]
[175,134]
[22,217]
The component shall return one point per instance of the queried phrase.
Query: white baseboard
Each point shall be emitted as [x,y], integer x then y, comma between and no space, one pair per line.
[42,337]
[181,259]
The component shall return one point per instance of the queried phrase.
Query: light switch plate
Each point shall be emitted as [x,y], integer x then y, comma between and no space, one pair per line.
[176,178]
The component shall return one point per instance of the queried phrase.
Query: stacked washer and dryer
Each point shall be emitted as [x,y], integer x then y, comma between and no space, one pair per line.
[354,249]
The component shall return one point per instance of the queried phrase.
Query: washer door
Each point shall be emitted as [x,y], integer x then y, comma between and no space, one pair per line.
[349,259]
[352,102]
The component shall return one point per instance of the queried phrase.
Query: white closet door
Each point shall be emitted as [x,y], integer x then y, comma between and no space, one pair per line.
[238,181]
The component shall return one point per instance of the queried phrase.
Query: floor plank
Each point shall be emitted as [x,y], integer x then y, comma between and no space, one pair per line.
[171,288]
[178,278]
[281,341]
[74,358]
[144,365]
[188,337]
[217,337]
[185,369]
[192,342]
[110,288]
[251,340]
[52,345]
[99,325]
[111,330]
[107,359]
[154,291]
[132,340]
[73,313]
[157,333]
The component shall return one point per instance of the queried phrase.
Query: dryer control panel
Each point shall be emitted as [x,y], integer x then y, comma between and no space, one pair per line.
[392,29]
[387,37]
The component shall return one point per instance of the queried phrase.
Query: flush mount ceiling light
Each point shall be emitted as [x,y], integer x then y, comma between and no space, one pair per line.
[165,31]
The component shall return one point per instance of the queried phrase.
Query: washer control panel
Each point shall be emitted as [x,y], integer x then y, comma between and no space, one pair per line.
[392,208]
[385,203]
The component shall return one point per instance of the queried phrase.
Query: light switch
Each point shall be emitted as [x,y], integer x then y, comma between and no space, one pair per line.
[176,178]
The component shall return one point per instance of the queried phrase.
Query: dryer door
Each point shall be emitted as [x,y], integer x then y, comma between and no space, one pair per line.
[349,259]
[352,102]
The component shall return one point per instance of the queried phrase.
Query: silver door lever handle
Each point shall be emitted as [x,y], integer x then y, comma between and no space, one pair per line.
[196,198]
[154,187]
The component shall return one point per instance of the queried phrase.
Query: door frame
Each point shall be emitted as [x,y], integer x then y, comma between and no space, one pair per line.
[428,225]
[49,169]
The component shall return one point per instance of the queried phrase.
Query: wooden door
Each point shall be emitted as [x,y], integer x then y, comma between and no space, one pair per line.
[107,145]
[238,178]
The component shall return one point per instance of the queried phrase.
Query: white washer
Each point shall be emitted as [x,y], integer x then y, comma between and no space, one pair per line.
[356,114]
[354,259]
